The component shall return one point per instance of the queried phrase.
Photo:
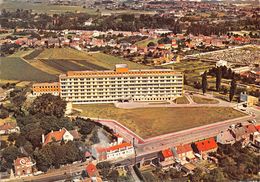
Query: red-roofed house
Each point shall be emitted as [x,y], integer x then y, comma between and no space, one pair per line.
[23,166]
[58,136]
[166,158]
[185,152]
[206,146]
[8,128]
[92,170]
[116,150]
[258,128]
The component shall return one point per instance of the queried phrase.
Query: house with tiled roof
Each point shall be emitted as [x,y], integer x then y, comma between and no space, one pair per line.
[204,147]
[23,166]
[116,150]
[255,138]
[185,152]
[225,137]
[8,128]
[92,170]
[61,135]
[166,158]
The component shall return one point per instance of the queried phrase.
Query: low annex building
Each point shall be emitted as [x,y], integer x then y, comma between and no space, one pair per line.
[61,135]
[110,86]
[46,88]
[23,166]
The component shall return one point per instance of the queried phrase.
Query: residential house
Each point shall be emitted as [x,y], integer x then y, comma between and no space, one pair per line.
[166,158]
[205,146]
[61,135]
[92,170]
[23,166]
[242,133]
[116,150]
[255,139]
[8,128]
[225,137]
[185,153]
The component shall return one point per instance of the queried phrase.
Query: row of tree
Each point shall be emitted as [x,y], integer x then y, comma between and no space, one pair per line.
[218,73]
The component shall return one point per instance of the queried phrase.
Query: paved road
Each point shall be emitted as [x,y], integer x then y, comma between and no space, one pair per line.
[57,174]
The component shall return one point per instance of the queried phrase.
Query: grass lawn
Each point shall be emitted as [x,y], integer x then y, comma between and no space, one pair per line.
[13,68]
[202,100]
[150,122]
[182,100]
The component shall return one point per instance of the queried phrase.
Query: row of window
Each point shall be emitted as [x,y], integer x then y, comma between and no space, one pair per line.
[119,78]
[118,89]
[129,92]
[117,99]
[122,82]
[35,87]
[120,96]
[119,86]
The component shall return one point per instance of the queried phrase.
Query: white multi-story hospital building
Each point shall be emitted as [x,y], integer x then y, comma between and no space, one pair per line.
[121,84]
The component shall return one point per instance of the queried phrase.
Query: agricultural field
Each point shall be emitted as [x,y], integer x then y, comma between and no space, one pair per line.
[60,60]
[13,5]
[22,53]
[159,120]
[43,7]
[14,68]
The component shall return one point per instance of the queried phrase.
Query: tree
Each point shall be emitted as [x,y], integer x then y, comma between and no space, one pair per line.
[3,144]
[204,82]
[104,168]
[218,78]
[49,105]
[232,90]
[151,44]
[86,126]
[196,177]
[216,175]
[12,137]
[10,154]
[197,85]
[185,79]
[3,112]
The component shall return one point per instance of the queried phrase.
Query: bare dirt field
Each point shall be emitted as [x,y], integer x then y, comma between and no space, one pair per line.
[150,122]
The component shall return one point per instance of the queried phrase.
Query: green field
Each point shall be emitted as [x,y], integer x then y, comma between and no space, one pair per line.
[192,69]
[149,122]
[144,43]
[61,60]
[43,7]
[13,68]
